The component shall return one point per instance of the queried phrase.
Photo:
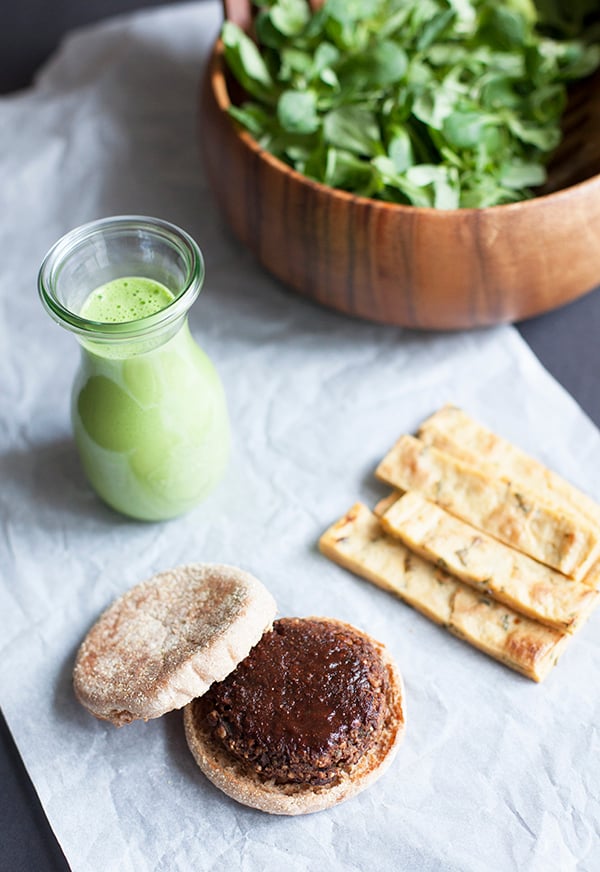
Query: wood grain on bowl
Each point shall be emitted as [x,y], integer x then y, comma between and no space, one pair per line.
[405,265]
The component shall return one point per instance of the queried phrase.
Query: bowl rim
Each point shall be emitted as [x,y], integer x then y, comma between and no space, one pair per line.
[215,72]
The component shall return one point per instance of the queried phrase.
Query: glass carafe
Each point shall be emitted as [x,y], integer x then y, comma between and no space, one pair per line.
[148,409]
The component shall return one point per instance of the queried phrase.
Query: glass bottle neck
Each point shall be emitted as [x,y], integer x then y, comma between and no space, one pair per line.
[115,348]
[101,279]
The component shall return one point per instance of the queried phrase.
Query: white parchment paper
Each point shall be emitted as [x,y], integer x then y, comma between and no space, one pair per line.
[496,773]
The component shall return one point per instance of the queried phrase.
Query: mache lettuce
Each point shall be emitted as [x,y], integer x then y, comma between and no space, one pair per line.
[444,103]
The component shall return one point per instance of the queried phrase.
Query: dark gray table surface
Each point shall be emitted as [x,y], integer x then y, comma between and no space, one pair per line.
[566,341]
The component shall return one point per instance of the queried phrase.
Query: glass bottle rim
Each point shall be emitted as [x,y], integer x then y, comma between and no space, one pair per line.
[123,330]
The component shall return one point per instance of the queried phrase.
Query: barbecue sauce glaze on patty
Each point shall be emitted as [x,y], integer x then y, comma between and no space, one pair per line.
[305,704]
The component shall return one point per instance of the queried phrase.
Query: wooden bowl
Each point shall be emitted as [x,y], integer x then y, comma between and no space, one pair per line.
[405,265]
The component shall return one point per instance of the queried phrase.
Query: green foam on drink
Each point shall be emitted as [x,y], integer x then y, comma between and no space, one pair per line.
[126,299]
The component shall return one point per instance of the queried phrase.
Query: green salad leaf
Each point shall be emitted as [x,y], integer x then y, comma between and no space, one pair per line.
[443,103]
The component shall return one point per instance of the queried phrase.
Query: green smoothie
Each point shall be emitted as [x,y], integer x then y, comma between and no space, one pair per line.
[151,425]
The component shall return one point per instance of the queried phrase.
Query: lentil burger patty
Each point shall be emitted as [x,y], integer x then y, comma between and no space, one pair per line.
[305,704]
